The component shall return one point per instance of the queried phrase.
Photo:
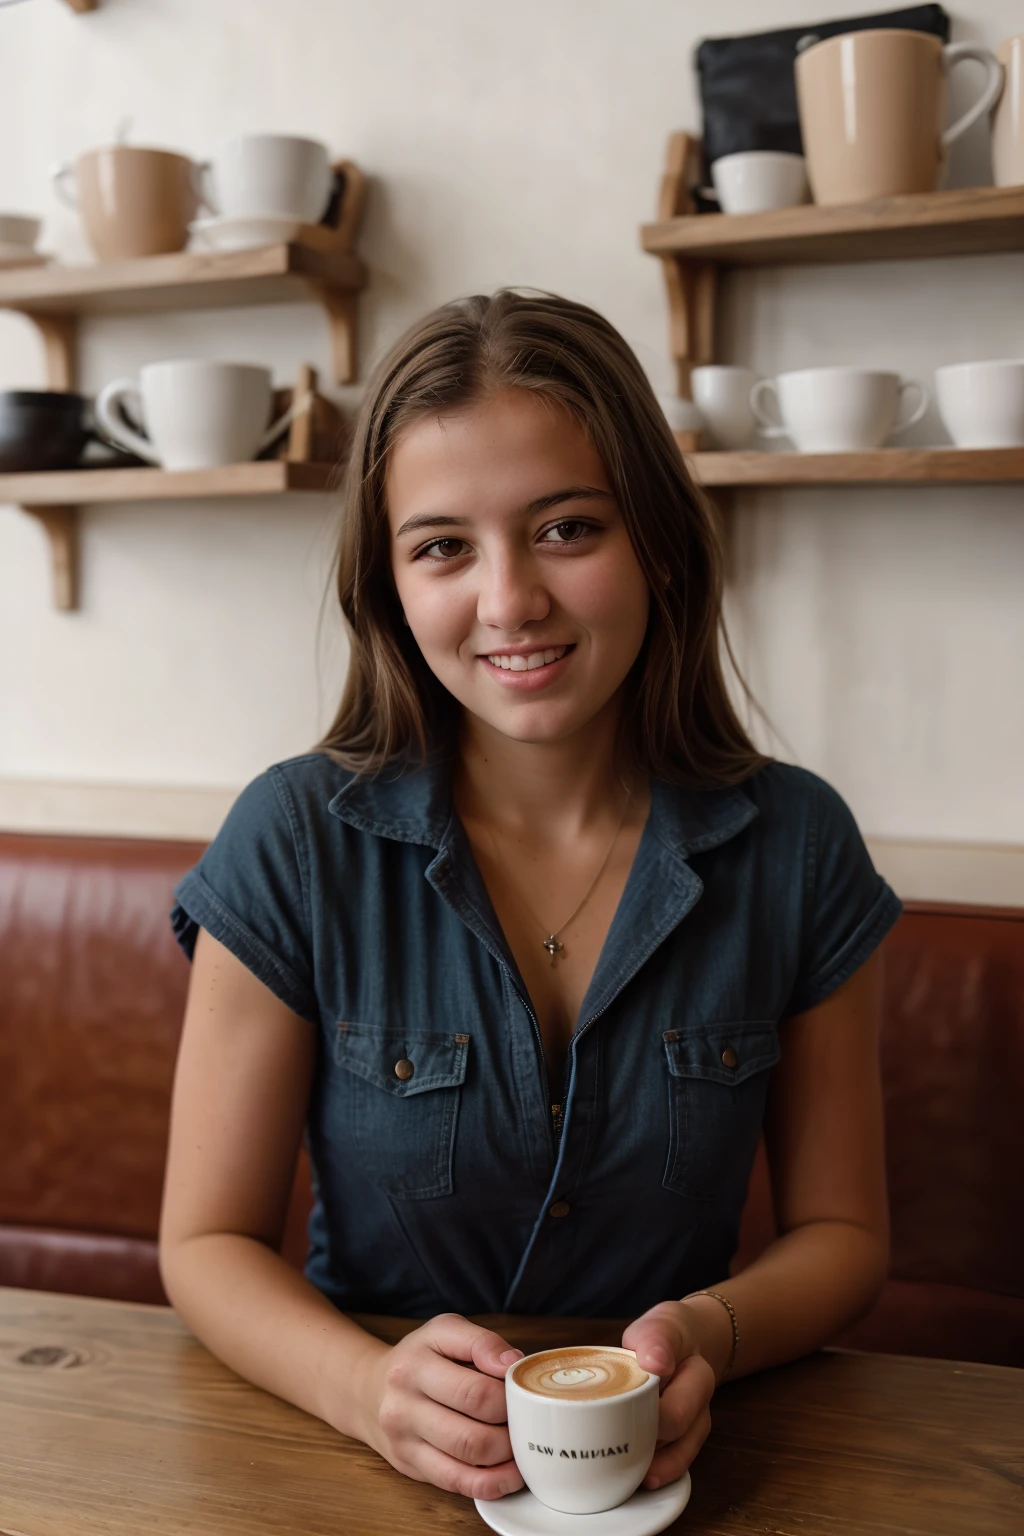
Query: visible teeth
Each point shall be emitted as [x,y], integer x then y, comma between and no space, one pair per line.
[529,663]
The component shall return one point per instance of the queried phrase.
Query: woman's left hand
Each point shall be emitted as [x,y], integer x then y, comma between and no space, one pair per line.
[667,1344]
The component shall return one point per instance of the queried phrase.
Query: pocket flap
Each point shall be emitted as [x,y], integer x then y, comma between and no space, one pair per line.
[402,1062]
[722,1053]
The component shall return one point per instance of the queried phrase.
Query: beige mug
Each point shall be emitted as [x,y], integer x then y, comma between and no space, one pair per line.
[133,202]
[872,107]
[1008,120]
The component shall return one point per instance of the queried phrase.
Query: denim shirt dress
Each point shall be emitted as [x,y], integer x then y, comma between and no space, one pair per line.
[452,1187]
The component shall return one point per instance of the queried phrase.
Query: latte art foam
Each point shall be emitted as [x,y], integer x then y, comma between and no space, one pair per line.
[579,1375]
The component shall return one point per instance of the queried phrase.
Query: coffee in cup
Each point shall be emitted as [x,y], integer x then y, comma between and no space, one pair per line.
[133,202]
[196,414]
[583,1424]
[873,108]
[837,410]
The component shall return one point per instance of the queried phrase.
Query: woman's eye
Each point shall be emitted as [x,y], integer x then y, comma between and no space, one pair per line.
[569,531]
[444,549]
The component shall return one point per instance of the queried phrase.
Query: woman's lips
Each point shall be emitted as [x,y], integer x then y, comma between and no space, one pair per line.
[529,682]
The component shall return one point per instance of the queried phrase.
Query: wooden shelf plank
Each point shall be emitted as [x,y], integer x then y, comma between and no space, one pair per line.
[907,466]
[268,274]
[80,487]
[964,222]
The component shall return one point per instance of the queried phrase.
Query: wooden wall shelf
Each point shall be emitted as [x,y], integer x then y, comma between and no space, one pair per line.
[318,266]
[55,499]
[960,223]
[885,466]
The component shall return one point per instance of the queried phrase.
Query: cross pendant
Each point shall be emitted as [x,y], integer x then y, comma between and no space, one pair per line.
[553,947]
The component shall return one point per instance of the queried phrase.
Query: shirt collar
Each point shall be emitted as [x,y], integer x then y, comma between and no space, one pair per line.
[414,805]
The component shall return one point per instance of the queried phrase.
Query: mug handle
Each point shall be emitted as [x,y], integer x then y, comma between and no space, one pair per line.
[62,174]
[116,430]
[952,55]
[916,414]
[765,425]
[297,408]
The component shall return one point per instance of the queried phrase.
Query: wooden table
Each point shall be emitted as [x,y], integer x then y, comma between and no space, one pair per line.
[114,1421]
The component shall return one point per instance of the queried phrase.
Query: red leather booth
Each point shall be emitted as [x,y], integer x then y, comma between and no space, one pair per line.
[92,991]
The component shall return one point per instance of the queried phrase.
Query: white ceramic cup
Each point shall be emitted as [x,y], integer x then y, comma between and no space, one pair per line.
[196,414]
[759,180]
[722,395]
[269,176]
[982,404]
[837,410]
[582,1457]
[1008,117]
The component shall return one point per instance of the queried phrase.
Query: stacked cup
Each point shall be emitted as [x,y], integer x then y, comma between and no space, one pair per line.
[261,187]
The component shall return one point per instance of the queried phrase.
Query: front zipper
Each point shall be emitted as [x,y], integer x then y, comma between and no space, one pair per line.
[556,1120]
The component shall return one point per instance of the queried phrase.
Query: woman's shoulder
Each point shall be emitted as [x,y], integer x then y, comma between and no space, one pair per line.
[793,797]
[300,787]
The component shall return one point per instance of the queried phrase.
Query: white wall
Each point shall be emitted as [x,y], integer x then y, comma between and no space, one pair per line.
[884,631]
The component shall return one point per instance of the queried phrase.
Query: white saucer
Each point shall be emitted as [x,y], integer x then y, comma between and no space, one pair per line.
[648,1511]
[233,234]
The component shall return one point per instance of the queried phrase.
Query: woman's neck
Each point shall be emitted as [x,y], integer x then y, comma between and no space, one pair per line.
[542,790]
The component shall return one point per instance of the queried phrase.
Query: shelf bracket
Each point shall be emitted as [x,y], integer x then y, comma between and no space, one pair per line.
[59,335]
[61,525]
[691,285]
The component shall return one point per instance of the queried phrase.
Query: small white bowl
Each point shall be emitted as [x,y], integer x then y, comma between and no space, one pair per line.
[759,180]
[19,229]
[982,404]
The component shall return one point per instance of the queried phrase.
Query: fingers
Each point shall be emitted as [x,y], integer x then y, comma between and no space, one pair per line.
[466,1440]
[433,1466]
[460,1339]
[671,1461]
[660,1339]
[686,1396]
[466,1391]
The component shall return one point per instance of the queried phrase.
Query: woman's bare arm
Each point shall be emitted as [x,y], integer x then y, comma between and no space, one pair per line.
[824,1134]
[240,1094]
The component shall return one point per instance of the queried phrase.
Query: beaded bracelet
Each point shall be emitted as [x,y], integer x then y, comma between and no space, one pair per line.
[727,1304]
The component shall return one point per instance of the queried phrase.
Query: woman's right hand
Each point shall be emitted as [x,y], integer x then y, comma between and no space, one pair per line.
[436,1406]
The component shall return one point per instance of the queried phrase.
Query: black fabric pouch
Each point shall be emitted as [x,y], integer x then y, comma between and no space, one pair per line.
[747,87]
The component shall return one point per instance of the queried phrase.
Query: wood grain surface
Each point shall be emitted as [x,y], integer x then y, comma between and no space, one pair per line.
[879,466]
[113,1419]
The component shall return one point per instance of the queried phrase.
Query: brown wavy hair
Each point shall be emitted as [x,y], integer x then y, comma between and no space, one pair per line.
[678,721]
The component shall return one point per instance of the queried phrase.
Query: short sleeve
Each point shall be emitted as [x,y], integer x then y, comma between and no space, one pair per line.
[849,907]
[249,891]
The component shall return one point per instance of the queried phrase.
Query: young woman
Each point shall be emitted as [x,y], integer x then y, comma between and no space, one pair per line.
[530,946]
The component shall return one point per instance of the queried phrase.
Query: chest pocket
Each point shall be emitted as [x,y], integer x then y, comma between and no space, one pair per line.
[399,1105]
[717,1086]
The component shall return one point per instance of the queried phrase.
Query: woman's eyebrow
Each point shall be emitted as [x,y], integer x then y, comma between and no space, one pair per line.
[538,504]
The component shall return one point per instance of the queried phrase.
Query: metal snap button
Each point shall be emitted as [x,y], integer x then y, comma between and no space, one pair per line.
[560,1208]
[729,1057]
[404,1069]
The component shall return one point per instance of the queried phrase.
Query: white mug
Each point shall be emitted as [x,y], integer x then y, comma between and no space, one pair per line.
[581,1457]
[758,180]
[982,404]
[197,414]
[270,176]
[837,410]
[722,395]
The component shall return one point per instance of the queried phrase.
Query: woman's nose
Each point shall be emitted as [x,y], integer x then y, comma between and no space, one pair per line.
[511,595]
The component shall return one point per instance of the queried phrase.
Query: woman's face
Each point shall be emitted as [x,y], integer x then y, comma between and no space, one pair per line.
[513,564]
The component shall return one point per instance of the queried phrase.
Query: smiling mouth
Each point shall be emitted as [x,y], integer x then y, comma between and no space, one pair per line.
[529,661]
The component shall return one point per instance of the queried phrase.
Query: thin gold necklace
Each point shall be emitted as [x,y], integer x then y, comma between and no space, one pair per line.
[552,943]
